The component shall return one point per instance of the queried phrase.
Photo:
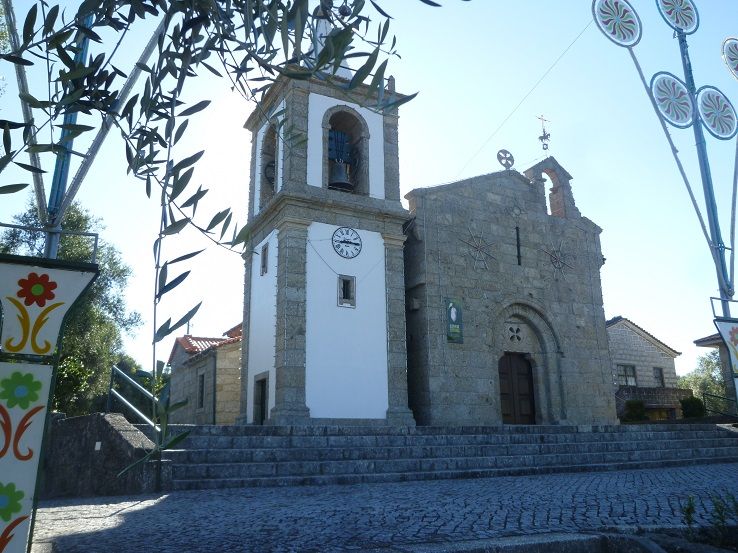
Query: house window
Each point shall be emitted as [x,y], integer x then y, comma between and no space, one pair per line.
[264,259]
[200,391]
[346,291]
[658,376]
[627,375]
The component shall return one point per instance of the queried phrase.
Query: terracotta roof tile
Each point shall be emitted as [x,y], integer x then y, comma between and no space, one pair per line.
[193,344]
[234,332]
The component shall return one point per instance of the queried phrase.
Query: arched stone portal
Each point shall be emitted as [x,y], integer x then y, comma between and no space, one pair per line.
[523,331]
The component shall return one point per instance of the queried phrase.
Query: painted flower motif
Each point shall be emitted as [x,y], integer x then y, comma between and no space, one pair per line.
[36,289]
[672,99]
[717,113]
[618,20]
[680,14]
[10,499]
[734,335]
[730,55]
[19,389]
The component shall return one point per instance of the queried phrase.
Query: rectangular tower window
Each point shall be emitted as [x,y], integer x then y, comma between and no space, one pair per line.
[658,376]
[627,375]
[264,259]
[346,291]
[201,391]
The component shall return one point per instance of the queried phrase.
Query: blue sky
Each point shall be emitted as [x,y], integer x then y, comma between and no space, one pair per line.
[472,64]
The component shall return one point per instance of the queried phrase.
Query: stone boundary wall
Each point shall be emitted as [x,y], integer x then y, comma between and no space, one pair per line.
[83,456]
[652,398]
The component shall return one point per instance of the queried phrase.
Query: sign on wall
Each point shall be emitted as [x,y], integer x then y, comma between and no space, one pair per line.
[35,296]
[454,322]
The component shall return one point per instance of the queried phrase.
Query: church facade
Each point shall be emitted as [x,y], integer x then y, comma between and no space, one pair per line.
[478,306]
[529,343]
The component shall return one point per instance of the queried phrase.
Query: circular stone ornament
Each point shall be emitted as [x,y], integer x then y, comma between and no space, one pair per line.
[717,113]
[672,99]
[505,159]
[730,55]
[680,15]
[618,21]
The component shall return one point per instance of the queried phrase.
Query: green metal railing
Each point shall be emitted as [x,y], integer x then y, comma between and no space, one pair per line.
[719,405]
[113,393]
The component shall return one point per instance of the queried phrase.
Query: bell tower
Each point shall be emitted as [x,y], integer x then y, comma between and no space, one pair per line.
[324,313]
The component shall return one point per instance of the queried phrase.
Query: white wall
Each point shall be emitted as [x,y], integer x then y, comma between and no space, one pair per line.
[317,106]
[346,348]
[258,175]
[262,321]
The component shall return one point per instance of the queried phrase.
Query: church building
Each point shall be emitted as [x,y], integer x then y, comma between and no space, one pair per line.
[480,305]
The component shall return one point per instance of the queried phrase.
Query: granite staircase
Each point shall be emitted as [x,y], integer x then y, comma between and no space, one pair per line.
[244,456]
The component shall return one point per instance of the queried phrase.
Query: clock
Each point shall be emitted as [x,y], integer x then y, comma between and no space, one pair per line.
[347,242]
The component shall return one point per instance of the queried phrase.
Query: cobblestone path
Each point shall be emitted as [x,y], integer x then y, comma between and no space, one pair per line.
[387,517]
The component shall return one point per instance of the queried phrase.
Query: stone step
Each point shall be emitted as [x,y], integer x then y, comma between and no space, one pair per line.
[242,430]
[218,456]
[378,466]
[228,455]
[271,481]
[399,440]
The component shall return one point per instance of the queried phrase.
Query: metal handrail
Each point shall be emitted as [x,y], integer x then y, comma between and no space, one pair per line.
[705,395]
[114,393]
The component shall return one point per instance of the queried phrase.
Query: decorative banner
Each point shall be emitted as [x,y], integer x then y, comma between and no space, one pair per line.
[728,329]
[618,21]
[717,113]
[24,392]
[730,55]
[680,15]
[672,99]
[35,296]
[454,322]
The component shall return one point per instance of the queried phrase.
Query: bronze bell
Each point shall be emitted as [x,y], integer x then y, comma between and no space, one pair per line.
[338,176]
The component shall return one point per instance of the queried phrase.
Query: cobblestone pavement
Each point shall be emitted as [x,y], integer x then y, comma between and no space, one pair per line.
[389,517]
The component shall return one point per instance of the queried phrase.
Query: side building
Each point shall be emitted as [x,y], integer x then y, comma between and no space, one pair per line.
[643,369]
[205,372]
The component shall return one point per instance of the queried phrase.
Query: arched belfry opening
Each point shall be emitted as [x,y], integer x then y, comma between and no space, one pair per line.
[268,163]
[346,152]
[560,201]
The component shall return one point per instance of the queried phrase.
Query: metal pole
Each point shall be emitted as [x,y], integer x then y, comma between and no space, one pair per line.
[107,123]
[20,75]
[61,169]
[724,283]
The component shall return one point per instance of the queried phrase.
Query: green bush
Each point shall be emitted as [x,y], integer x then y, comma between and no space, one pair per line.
[634,411]
[692,407]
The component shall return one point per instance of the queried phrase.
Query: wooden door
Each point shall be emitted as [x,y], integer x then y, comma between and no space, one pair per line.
[261,401]
[516,390]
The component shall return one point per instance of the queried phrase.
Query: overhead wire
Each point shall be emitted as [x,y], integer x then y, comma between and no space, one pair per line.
[524,98]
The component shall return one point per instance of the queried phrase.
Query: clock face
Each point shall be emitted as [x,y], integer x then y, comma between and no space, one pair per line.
[346,242]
